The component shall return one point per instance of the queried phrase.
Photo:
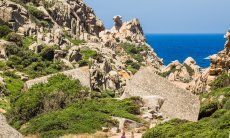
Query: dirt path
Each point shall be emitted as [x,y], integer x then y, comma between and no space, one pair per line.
[128,135]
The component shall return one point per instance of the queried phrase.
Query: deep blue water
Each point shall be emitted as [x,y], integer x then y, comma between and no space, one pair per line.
[172,47]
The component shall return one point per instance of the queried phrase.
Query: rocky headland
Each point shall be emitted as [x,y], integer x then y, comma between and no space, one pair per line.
[63,74]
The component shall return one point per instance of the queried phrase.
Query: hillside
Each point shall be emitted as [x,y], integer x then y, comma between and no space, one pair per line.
[63,74]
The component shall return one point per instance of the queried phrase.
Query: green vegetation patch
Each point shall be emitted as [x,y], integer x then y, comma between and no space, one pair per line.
[4,31]
[214,101]
[134,51]
[82,117]
[37,16]
[59,92]
[86,55]
[74,41]
[63,106]
[216,126]
[221,81]
[13,86]
[132,66]
[167,73]
[35,65]
[27,41]
[190,70]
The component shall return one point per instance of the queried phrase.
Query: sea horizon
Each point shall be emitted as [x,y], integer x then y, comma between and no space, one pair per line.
[174,46]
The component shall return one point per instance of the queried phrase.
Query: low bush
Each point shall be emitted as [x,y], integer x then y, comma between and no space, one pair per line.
[134,51]
[35,65]
[215,126]
[35,12]
[189,69]
[74,41]
[212,101]
[16,38]
[82,117]
[132,66]
[59,92]
[167,73]
[4,30]
[48,53]
[221,81]
[27,41]
[14,86]
[86,55]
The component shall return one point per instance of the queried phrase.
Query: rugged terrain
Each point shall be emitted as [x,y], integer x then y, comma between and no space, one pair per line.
[63,74]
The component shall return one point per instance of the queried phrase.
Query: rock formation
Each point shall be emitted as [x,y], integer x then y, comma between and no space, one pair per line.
[178,103]
[123,32]
[182,74]
[82,74]
[6,131]
[220,63]
[12,13]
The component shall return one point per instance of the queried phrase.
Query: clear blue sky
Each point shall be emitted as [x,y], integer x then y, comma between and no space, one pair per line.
[168,16]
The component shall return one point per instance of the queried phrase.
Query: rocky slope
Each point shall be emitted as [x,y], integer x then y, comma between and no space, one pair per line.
[63,73]
[41,39]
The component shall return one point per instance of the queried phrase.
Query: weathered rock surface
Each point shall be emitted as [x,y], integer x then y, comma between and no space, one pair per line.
[221,62]
[6,131]
[178,103]
[76,16]
[82,74]
[13,13]
[123,32]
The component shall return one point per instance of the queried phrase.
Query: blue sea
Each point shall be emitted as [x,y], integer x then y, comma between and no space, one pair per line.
[172,47]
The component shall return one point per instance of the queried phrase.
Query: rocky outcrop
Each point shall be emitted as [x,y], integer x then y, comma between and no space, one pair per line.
[77,17]
[6,131]
[123,32]
[12,13]
[221,62]
[82,74]
[182,74]
[178,103]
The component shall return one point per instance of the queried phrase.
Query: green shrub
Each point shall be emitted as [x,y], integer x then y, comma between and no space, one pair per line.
[108,94]
[14,86]
[211,101]
[35,65]
[74,41]
[48,53]
[132,66]
[2,65]
[4,104]
[134,51]
[207,110]
[35,12]
[215,126]
[27,41]
[4,30]
[167,73]
[59,92]
[82,117]
[16,38]
[189,69]
[86,55]
[221,81]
